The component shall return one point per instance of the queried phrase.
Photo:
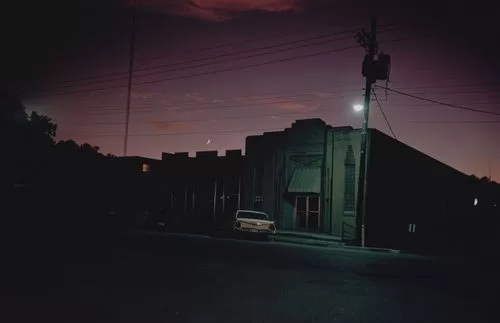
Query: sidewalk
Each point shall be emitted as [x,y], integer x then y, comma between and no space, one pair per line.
[285,236]
[308,238]
[308,235]
[321,240]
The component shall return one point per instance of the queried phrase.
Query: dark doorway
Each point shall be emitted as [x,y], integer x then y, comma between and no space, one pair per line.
[307,212]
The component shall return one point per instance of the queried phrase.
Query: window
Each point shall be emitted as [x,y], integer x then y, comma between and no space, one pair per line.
[258,187]
[307,212]
[145,168]
[349,182]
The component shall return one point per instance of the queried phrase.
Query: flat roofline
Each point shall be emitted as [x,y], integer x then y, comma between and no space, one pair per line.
[138,158]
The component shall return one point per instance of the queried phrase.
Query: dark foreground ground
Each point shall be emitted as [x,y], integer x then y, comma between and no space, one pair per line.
[172,278]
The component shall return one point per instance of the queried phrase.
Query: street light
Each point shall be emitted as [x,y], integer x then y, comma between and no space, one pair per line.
[358,107]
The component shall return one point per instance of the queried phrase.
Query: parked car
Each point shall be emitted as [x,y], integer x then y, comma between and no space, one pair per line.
[254,223]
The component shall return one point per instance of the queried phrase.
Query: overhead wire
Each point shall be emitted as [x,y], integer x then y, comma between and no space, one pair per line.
[383,114]
[457,121]
[230,105]
[260,96]
[199,74]
[217,132]
[248,66]
[244,42]
[211,63]
[259,116]
[235,59]
[138,74]
[220,56]
[256,49]
[301,31]
[455,106]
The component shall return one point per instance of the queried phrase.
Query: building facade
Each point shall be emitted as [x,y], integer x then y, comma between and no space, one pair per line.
[204,190]
[306,178]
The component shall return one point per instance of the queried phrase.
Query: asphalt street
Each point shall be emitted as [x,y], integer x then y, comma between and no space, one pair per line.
[176,278]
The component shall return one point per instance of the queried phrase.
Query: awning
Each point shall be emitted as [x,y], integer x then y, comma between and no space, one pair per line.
[305,180]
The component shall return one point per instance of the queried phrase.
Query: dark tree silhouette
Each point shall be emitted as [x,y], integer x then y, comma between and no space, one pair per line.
[49,185]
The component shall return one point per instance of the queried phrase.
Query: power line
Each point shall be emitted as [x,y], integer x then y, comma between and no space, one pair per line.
[469,104]
[217,132]
[236,43]
[439,102]
[249,66]
[269,115]
[259,64]
[218,56]
[256,49]
[78,91]
[448,86]
[188,62]
[186,52]
[146,111]
[458,121]
[116,112]
[211,72]
[230,99]
[383,113]
[224,101]
[250,56]
[123,77]
[212,106]
[237,58]
[199,74]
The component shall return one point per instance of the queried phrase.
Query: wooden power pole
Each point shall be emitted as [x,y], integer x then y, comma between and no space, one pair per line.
[368,40]
[130,72]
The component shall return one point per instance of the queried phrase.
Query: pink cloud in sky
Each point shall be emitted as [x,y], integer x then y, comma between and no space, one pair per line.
[292,106]
[161,125]
[217,10]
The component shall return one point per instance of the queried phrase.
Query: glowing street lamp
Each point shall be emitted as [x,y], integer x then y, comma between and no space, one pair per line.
[358,107]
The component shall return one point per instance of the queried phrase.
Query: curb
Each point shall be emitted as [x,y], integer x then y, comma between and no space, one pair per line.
[305,237]
[309,242]
[277,238]
[331,244]
[387,250]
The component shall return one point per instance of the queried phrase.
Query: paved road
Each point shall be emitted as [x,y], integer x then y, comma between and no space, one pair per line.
[171,278]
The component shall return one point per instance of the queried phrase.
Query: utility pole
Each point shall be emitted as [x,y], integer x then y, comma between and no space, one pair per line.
[223,197]
[215,202]
[369,42]
[130,72]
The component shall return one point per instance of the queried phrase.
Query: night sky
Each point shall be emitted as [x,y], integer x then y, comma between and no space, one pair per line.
[69,60]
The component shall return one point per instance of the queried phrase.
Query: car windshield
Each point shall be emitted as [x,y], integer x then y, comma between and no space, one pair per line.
[252,215]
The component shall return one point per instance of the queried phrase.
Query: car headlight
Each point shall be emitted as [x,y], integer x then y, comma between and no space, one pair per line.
[272,227]
[237,224]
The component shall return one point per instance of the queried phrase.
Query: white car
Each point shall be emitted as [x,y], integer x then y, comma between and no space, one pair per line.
[247,221]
